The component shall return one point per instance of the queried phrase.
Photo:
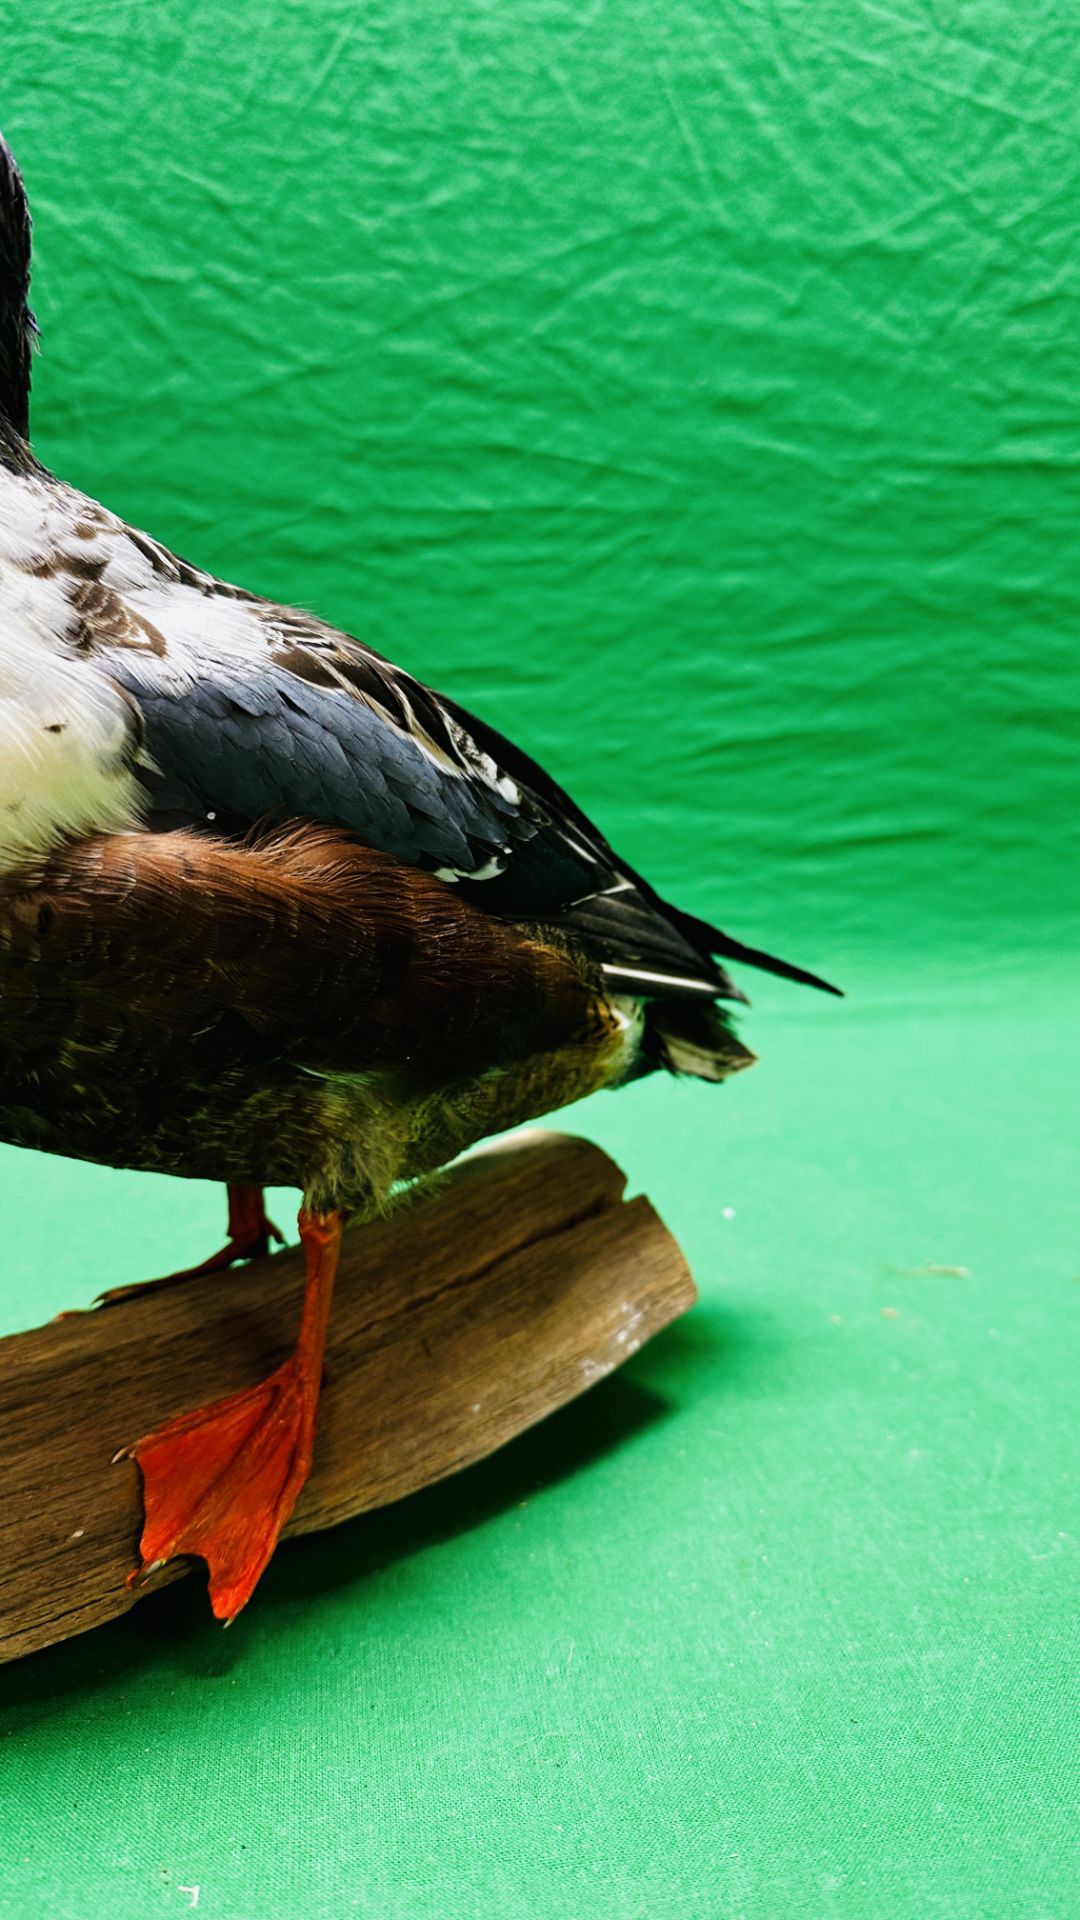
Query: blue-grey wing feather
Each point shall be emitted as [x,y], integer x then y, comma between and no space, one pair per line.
[264,746]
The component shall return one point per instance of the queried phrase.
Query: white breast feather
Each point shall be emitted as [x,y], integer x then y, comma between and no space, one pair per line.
[64,752]
[65,730]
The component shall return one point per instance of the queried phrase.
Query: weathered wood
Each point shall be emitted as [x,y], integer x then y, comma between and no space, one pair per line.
[486,1302]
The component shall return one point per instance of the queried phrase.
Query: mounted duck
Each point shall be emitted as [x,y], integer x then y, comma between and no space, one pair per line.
[271,911]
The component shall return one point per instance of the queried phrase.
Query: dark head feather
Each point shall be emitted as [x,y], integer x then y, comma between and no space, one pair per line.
[17,324]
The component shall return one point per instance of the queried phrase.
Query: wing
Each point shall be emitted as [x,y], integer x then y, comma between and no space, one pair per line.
[257,713]
[17,325]
[306,723]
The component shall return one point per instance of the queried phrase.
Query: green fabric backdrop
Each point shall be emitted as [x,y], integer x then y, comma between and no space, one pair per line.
[692,388]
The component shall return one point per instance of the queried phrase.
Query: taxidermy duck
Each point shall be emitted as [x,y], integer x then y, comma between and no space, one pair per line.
[273,912]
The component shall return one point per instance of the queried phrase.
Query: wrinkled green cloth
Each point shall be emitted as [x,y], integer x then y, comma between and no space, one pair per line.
[692,390]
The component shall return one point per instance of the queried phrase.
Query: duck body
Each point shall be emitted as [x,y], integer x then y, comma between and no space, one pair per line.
[245,929]
[274,912]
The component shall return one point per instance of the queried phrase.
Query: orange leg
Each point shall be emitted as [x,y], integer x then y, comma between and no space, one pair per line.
[250,1234]
[222,1481]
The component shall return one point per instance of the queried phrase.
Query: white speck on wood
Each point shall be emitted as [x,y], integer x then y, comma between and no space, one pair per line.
[596,1369]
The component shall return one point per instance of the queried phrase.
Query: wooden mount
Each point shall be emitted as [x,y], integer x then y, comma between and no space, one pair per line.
[485,1301]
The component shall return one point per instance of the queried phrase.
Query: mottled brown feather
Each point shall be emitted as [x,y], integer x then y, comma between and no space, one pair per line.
[233,1011]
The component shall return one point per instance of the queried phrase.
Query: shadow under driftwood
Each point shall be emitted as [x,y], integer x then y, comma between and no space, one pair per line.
[499,1296]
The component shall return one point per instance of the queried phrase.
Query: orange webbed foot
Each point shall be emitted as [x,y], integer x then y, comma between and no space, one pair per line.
[222,1480]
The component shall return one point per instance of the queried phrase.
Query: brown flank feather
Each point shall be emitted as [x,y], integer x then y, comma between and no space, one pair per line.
[328,997]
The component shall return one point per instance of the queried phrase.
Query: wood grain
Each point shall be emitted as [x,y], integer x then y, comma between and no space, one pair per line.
[481,1305]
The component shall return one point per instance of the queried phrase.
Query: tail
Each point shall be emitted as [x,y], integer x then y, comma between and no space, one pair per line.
[651,950]
[686,1036]
[655,953]
[722,947]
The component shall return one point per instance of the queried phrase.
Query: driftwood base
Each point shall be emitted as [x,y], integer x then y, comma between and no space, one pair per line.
[484,1303]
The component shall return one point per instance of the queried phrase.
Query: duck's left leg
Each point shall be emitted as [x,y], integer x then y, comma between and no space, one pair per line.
[221,1481]
[250,1231]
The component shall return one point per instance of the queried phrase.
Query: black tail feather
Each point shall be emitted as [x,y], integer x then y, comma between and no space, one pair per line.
[652,950]
[723,947]
[646,947]
[643,949]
